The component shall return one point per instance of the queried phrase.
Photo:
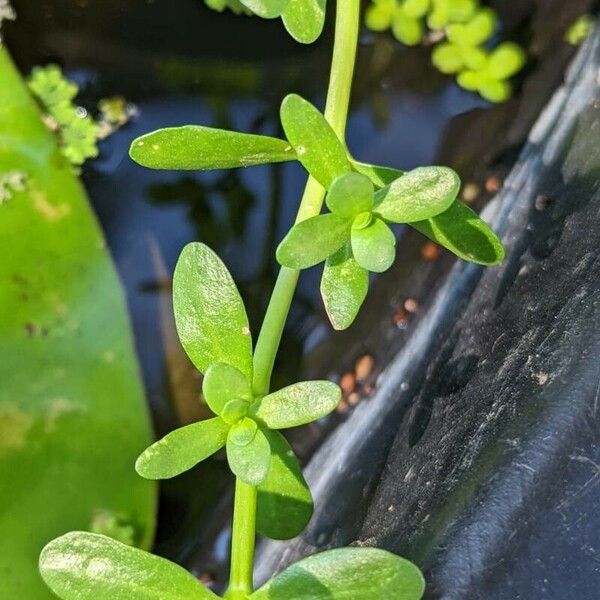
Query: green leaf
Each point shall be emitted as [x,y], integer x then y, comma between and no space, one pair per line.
[285,504]
[350,195]
[316,144]
[194,147]
[182,449]
[209,313]
[311,241]
[419,194]
[346,574]
[304,19]
[476,31]
[73,413]
[87,566]
[298,404]
[344,287]
[506,60]
[251,462]
[448,58]
[380,176]
[243,433]
[374,246]
[267,9]
[494,90]
[223,383]
[461,231]
[406,29]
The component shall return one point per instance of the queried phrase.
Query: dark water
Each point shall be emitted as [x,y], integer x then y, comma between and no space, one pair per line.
[181,63]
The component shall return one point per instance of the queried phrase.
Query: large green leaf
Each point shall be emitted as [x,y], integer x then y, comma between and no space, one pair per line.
[304,19]
[285,503]
[316,144]
[346,574]
[182,449]
[461,231]
[72,409]
[85,566]
[344,287]
[194,147]
[419,194]
[298,404]
[209,312]
[311,241]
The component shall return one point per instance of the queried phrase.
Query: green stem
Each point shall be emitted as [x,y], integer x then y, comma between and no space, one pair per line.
[243,535]
[336,113]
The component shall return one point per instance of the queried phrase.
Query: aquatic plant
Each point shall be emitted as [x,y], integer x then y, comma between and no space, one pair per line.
[271,495]
[461,31]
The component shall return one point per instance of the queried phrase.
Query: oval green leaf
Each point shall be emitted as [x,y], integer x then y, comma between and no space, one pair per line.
[465,234]
[298,404]
[251,462]
[419,194]
[374,246]
[380,176]
[350,195]
[304,19]
[73,413]
[86,566]
[196,148]
[345,574]
[243,433]
[344,287]
[267,9]
[316,144]
[223,383]
[182,449]
[285,503]
[209,313]
[311,241]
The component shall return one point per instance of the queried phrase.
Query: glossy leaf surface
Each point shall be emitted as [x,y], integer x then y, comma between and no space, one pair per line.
[268,9]
[350,195]
[86,566]
[285,503]
[73,414]
[374,247]
[316,144]
[380,176]
[344,287]
[310,242]
[298,404]
[250,462]
[419,194]
[346,574]
[182,449]
[209,313]
[304,19]
[193,147]
[465,234]
[223,383]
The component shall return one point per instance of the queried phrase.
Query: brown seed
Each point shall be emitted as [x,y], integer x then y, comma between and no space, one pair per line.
[348,383]
[411,305]
[342,407]
[400,318]
[430,252]
[470,192]
[353,399]
[364,367]
[493,184]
